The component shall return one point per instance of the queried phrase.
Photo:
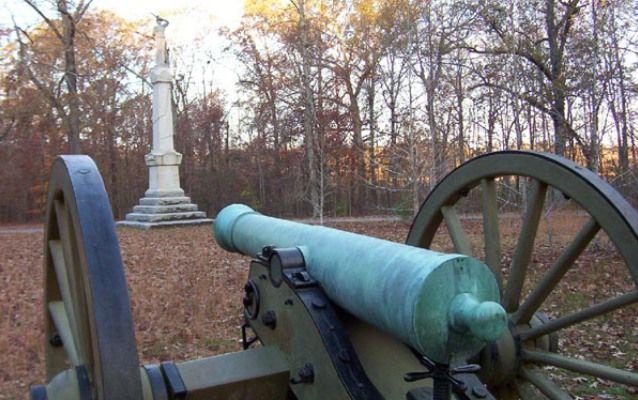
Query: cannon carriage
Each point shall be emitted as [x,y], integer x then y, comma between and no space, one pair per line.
[335,315]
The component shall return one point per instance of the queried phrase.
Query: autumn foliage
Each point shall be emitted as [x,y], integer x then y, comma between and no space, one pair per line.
[342,108]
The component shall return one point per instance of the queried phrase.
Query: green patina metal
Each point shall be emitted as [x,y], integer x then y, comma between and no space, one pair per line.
[409,292]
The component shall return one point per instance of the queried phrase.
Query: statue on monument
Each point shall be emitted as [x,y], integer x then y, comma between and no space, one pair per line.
[161,51]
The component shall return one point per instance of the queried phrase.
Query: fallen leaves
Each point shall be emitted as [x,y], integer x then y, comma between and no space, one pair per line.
[186,297]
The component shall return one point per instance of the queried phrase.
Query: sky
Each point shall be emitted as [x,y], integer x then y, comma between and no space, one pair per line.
[193,28]
[224,12]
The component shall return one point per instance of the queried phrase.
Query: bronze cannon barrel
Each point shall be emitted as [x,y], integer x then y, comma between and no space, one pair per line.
[443,305]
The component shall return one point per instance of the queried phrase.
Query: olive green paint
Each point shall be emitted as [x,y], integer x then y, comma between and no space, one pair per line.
[296,336]
[376,351]
[259,373]
[64,386]
[403,290]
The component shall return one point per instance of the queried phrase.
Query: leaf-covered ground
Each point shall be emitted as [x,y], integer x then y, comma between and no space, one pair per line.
[186,297]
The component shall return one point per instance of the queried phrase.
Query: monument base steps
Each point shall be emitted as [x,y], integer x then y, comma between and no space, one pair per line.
[159,212]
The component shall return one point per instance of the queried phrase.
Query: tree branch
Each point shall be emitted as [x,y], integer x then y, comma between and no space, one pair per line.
[50,96]
[45,18]
[515,52]
[566,23]
[81,10]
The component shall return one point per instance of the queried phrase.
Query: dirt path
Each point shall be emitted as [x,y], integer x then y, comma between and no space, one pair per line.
[10,230]
[37,228]
[372,219]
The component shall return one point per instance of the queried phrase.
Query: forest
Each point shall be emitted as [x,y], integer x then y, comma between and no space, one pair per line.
[352,107]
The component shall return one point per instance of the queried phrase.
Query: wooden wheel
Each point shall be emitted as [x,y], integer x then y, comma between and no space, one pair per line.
[515,366]
[88,325]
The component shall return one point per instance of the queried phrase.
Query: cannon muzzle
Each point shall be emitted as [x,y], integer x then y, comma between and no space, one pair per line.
[443,305]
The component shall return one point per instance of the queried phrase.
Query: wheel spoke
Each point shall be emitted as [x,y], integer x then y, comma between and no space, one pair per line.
[59,265]
[66,238]
[61,321]
[556,272]
[580,316]
[78,305]
[459,237]
[546,386]
[581,366]
[492,240]
[525,390]
[524,246]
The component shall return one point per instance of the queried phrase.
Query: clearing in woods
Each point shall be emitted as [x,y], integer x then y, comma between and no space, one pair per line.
[186,296]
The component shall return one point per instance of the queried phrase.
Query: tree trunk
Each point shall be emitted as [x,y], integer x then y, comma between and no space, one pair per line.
[460,95]
[557,38]
[309,114]
[70,77]
[491,122]
[358,160]
[595,97]
[372,147]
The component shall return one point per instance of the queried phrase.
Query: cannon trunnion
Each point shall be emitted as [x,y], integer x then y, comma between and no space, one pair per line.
[334,315]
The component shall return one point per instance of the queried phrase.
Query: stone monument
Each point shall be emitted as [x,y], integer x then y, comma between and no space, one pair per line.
[164,203]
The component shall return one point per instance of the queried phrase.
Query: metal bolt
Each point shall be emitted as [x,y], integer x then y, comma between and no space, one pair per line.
[306,375]
[302,276]
[266,251]
[318,303]
[344,356]
[269,319]
[56,340]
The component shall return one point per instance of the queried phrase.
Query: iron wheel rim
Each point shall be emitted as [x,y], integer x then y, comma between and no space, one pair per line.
[608,211]
[85,284]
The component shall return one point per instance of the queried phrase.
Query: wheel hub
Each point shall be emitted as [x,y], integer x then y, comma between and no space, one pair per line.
[514,365]
[500,360]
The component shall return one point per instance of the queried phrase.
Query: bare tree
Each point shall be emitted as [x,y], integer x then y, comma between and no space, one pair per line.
[69,16]
[549,61]
[310,120]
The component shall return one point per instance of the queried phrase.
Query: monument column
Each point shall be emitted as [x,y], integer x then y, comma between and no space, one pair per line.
[164,203]
[163,161]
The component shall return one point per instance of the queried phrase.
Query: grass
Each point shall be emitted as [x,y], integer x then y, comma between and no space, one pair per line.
[186,297]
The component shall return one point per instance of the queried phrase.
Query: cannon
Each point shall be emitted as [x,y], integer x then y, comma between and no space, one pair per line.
[336,315]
